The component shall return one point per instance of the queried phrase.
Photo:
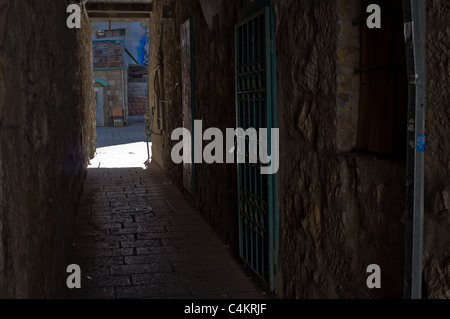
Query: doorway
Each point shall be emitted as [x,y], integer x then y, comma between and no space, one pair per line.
[99,107]
[255,102]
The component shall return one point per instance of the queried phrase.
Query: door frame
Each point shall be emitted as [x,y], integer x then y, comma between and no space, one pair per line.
[256,9]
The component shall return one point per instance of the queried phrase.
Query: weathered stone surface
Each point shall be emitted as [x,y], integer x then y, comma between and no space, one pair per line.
[114,95]
[437,161]
[348,82]
[3,12]
[138,98]
[108,55]
[45,141]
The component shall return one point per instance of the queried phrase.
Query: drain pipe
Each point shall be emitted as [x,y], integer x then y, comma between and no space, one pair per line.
[123,97]
[415,28]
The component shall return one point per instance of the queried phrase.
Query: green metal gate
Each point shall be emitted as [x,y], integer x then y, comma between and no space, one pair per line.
[255,101]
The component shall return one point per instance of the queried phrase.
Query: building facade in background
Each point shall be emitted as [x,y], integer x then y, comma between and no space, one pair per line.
[111,82]
[135,39]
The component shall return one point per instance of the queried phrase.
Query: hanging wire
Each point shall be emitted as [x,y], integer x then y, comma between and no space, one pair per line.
[157,84]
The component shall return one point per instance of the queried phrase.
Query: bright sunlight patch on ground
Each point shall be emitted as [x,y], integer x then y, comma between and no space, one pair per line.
[121,156]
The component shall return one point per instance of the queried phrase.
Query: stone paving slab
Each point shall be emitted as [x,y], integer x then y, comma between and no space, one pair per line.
[169,252]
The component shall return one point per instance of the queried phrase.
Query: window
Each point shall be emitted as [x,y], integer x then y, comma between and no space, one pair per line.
[383,101]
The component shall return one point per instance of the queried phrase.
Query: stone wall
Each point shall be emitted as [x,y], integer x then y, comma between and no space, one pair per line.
[46,138]
[339,212]
[348,82]
[134,34]
[137,98]
[437,159]
[215,103]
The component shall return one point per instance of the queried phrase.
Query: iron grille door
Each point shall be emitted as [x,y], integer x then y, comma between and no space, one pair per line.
[255,99]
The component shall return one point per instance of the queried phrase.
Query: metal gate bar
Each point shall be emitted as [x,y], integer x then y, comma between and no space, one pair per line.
[255,110]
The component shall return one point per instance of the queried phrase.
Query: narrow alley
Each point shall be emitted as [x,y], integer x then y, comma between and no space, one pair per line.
[138,237]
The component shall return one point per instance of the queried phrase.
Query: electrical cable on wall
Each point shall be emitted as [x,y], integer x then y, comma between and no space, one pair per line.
[157,86]
[158,98]
[151,116]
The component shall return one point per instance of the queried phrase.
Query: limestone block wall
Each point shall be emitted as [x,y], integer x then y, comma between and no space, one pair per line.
[215,103]
[338,214]
[437,160]
[46,138]
[137,98]
[342,212]
[134,34]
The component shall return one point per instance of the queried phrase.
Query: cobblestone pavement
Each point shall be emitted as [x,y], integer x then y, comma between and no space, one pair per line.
[137,237]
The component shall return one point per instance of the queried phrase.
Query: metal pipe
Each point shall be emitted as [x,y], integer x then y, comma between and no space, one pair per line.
[123,96]
[415,27]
